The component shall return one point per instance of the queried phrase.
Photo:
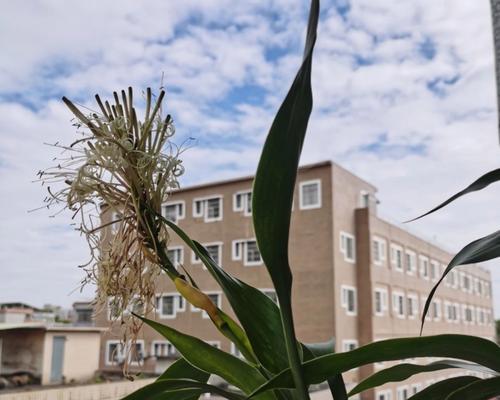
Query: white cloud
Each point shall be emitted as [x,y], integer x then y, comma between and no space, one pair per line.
[208,50]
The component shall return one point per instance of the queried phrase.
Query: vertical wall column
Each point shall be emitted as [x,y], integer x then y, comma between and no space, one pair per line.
[365,290]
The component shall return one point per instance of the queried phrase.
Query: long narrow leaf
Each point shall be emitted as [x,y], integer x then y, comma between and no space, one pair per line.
[273,189]
[162,387]
[479,184]
[212,360]
[469,348]
[484,249]
[183,370]
[441,389]
[404,371]
[485,389]
[261,321]
[336,382]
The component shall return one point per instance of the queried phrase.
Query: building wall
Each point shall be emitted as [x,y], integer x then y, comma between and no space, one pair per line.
[321,269]
[81,355]
[22,350]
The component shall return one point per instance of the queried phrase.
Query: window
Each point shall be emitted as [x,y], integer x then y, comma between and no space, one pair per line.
[468,315]
[384,395]
[242,201]
[348,299]
[424,267]
[451,310]
[214,250]
[481,320]
[348,247]
[479,287]
[176,255]
[436,309]
[434,270]
[378,251]
[174,211]
[310,194]
[116,352]
[398,304]
[364,199]
[415,388]
[163,349]
[397,257]
[168,305]
[349,345]
[466,282]
[380,301]
[248,250]
[411,262]
[210,208]
[402,393]
[412,305]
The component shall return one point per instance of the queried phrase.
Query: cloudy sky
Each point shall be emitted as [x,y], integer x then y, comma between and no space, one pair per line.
[403,96]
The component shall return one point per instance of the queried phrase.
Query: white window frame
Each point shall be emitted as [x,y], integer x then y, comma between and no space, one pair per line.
[301,196]
[383,301]
[125,351]
[415,388]
[439,308]
[395,304]
[243,254]
[177,263]
[387,394]
[394,249]
[415,306]
[344,301]
[421,260]
[399,393]
[175,203]
[107,352]
[344,235]
[204,209]
[348,342]
[434,266]
[196,260]
[382,250]
[165,342]
[411,255]
[244,203]
[178,299]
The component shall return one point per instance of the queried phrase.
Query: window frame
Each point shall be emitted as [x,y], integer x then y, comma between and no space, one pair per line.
[195,260]
[343,249]
[383,301]
[204,208]
[396,313]
[381,245]
[181,257]
[395,248]
[177,308]
[244,203]
[301,194]
[180,216]
[345,302]
[411,255]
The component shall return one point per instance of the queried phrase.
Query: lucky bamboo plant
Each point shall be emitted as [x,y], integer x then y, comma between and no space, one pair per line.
[122,166]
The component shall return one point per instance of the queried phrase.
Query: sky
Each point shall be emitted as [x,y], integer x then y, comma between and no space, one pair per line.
[404,96]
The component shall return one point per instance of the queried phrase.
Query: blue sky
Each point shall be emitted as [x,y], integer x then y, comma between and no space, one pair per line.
[403,96]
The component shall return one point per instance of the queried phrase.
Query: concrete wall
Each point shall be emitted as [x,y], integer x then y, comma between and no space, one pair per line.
[22,350]
[102,391]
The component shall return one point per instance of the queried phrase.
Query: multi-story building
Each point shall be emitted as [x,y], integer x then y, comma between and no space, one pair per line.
[357,277]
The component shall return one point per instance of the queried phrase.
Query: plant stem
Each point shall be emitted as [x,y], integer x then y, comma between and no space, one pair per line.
[292,349]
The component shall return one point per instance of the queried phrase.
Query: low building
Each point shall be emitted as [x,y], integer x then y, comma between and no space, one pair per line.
[49,354]
[83,313]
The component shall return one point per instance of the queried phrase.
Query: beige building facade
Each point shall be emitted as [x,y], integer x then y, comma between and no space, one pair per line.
[357,277]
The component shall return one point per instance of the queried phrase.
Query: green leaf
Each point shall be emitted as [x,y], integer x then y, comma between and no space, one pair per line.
[336,382]
[167,388]
[484,389]
[404,371]
[441,389]
[261,321]
[273,188]
[210,359]
[469,348]
[479,184]
[479,250]
[184,370]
